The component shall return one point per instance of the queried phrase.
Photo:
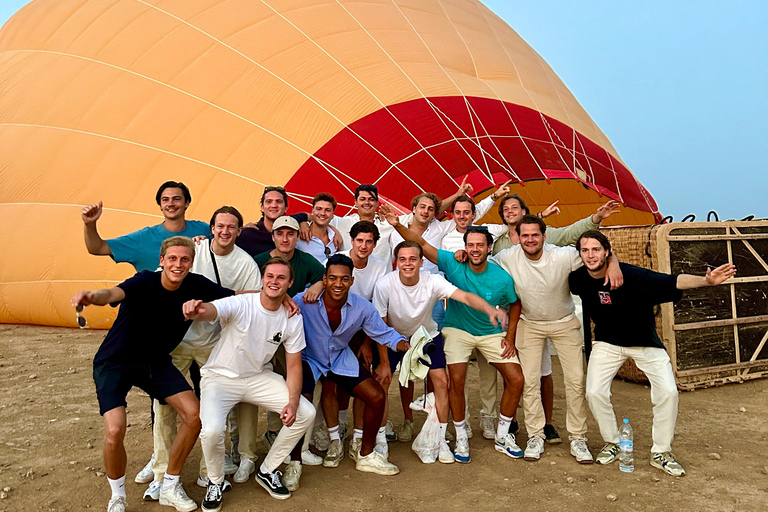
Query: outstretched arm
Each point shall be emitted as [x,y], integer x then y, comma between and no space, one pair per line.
[712,277]
[496,316]
[100,297]
[199,310]
[93,241]
[430,251]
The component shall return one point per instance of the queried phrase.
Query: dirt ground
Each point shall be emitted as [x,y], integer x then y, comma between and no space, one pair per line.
[51,437]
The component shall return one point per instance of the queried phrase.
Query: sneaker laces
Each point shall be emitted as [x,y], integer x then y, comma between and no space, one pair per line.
[666,457]
[275,477]
[214,492]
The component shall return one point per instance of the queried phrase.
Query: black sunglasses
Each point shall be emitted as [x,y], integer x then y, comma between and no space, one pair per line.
[327,251]
[482,229]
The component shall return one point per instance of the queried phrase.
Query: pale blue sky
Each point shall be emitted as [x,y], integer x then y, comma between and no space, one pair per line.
[680,88]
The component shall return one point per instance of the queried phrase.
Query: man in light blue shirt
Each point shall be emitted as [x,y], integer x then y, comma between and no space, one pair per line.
[142,248]
[329,325]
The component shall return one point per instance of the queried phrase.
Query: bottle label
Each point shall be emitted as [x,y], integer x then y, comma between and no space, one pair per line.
[626,445]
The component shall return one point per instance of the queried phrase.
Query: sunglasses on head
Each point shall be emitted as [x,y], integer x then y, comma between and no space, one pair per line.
[481,229]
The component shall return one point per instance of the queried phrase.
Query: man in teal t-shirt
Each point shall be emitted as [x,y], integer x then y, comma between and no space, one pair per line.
[466,330]
[142,248]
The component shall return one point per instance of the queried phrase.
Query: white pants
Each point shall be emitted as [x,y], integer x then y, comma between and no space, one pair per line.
[604,363]
[220,394]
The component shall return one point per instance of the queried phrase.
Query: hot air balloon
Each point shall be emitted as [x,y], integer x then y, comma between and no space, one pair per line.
[105,100]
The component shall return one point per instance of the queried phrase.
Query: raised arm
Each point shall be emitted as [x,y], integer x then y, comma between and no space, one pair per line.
[712,277]
[496,316]
[464,188]
[93,241]
[430,251]
[99,297]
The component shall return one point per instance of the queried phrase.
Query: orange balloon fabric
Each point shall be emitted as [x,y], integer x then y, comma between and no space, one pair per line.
[106,99]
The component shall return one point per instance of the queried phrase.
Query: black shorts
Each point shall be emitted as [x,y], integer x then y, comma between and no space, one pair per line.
[395,356]
[345,382]
[114,380]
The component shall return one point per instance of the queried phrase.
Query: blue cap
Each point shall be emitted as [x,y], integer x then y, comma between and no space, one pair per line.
[626,420]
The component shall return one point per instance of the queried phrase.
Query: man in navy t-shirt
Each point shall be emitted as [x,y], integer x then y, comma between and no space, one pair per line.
[136,352]
[625,326]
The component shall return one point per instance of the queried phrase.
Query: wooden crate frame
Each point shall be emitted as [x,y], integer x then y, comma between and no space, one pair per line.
[657,254]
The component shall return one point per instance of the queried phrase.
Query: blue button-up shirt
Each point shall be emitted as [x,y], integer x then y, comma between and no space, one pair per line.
[329,351]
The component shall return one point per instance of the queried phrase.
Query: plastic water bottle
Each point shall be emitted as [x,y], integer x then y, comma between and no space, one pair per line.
[626,448]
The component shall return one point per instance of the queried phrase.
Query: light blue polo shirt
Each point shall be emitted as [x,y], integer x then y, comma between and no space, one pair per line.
[142,248]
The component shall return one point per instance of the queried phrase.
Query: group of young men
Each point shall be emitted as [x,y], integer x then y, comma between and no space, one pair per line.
[269,310]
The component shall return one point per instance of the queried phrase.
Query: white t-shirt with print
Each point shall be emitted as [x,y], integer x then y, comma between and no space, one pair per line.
[250,335]
[237,271]
[409,307]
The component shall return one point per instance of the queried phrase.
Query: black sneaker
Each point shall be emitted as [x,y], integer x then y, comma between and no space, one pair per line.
[551,434]
[212,500]
[272,483]
[514,428]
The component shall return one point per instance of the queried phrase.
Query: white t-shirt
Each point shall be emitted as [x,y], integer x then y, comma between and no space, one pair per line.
[366,278]
[237,270]
[250,335]
[433,236]
[409,307]
[542,285]
[383,250]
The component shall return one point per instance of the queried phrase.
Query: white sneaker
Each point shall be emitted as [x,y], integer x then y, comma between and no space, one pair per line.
[581,452]
[508,446]
[461,453]
[374,462]
[153,491]
[445,455]
[534,449]
[230,468]
[310,459]
[354,448]
[471,434]
[405,433]
[334,455]
[146,475]
[177,498]
[320,438]
[488,424]
[247,467]
[292,476]
[666,462]
[117,504]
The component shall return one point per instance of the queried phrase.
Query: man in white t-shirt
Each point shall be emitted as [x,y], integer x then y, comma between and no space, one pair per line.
[541,274]
[405,300]
[239,370]
[221,261]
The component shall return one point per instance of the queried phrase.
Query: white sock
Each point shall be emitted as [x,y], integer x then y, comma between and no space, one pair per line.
[264,469]
[333,433]
[357,434]
[443,430]
[169,481]
[381,436]
[343,417]
[461,430]
[118,486]
[502,429]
